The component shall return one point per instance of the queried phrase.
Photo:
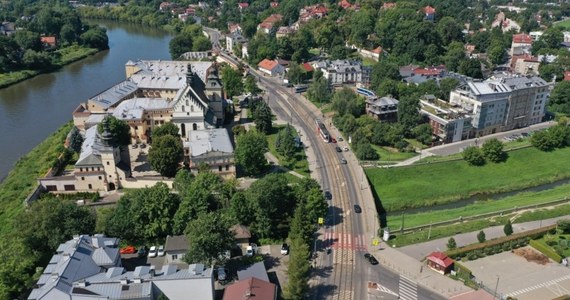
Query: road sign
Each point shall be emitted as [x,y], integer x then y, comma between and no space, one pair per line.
[321,221]
[375,242]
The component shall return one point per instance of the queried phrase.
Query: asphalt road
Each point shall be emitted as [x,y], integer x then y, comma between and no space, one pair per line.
[344,273]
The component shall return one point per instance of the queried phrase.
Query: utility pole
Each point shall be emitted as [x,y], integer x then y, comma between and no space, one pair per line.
[402,228]
[429,232]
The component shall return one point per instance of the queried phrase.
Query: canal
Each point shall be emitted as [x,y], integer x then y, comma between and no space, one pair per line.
[33,109]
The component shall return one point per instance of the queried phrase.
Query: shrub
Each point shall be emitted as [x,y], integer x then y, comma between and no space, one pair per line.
[481,236]
[451,244]
[473,156]
[508,229]
[546,250]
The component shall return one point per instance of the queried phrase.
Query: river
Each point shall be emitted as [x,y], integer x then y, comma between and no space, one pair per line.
[31,110]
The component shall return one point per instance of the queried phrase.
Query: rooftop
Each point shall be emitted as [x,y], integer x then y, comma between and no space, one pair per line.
[204,141]
[251,289]
[133,109]
[115,94]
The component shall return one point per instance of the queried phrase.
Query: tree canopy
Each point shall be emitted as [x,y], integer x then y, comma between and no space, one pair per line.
[166,154]
[120,130]
[250,152]
[209,238]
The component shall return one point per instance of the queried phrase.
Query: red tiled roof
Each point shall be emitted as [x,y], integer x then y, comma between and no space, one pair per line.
[307,67]
[469,48]
[251,289]
[267,64]
[270,21]
[377,50]
[429,10]
[243,5]
[388,5]
[50,40]
[345,4]
[441,259]
[522,38]
[429,71]
[567,75]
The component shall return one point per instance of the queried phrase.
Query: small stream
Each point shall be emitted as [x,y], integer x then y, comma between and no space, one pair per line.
[481,197]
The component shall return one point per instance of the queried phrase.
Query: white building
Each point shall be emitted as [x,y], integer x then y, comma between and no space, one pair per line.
[233,39]
[344,71]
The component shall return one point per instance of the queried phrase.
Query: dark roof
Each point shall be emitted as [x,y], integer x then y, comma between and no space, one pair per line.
[256,270]
[176,243]
[251,289]
[241,231]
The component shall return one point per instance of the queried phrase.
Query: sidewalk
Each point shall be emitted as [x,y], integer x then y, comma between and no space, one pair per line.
[419,251]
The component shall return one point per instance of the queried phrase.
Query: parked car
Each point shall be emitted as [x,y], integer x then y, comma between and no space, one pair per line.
[251,250]
[143,146]
[337,148]
[152,252]
[357,208]
[371,259]
[142,251]
[222,275]
[333,140]
[135,146]
[284,249]
[345,148]
[161,250]
[328,195]
[340,139]
[128,250]
[343,161]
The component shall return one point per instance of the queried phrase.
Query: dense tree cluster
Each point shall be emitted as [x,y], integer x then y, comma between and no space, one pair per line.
[190,38]
[555,137]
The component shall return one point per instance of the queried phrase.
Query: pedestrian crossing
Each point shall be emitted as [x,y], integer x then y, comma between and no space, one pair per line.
[542,285]
[339,240]
[408,289]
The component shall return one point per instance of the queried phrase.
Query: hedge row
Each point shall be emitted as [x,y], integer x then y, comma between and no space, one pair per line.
[462,271]
[546,250]
[499,244]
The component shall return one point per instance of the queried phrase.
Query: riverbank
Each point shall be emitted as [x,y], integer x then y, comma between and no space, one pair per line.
[68,55]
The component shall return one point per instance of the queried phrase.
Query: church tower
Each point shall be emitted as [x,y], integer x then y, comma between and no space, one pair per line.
[110,156]
[214,92]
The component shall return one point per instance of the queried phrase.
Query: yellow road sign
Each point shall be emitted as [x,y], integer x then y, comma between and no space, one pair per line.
[321,221]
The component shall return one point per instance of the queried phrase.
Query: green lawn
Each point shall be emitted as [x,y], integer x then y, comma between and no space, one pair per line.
[565,24]
[481,207]
[392,154]
[298,164]
[74,53]
[432,184]
[7,79]
[366,61]
[557,241]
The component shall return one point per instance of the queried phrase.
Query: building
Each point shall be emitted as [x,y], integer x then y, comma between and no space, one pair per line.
[448,123]
[251,289]
[439,262]
[234,39]
[383,109]
[271,67]
[269,23]
[373,54]
[241,235]
[89,267]
[284,31]
[7,28]
[344,71]
[521,44]
[567,75]
[501,104]
[175,248]
[210,147]
[308,13]
[49,41]
[415,74]
[429,13]
[525,64]
[257,270]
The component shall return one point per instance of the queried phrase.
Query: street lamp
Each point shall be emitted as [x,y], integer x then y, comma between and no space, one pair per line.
[496,287]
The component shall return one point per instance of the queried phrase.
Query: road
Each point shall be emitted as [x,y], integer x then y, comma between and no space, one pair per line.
[344,273]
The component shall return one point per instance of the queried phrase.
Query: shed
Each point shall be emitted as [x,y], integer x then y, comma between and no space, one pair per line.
[439,262]
[175,249]
[241,234]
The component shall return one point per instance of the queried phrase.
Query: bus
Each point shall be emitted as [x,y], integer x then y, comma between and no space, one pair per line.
[322,130]
[300,88]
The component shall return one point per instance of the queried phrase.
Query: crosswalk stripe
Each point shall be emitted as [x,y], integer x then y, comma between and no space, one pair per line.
[408,289]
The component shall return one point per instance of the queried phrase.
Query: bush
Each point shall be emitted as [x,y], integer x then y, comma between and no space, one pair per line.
[481,236]
[473,156]
[544,249]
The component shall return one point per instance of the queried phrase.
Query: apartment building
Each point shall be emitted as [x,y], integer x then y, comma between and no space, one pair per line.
[344,71]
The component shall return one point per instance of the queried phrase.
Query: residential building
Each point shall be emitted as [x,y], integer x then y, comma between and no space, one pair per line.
[89,267]
[388,5]
[244,53]
[49,41]
[175,248]
[429,13]
[383,109]
[525,64]
[274,4]
[415,74]
[234,27]
[269,23]
[567,75]
[7,28]
[242,6]
[271,67]
[521,44]
[449,123]
[373,54]
[308,13]
[284,31]
[242,235]
[210,147]
[251,289]
[233,39]
[257,270]
[346,5]
[344,71]
[501,104]
[535,35]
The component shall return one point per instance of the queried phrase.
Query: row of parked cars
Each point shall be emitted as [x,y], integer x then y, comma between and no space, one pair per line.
[154,251]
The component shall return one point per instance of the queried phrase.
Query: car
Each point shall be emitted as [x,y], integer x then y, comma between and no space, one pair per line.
[222,275]
[333,140]
[284,249]
[525,134]
[152,252]
[251,250]
[370,258]
[340,139]
[343,161]
[134,146]
[142,251]
[337,148]
[128,250]
[357,208]
[345,148]
[160,250]
[328,195]
[143,146]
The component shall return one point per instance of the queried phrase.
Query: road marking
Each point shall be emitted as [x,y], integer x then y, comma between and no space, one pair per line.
[344,241]
[541,285]
[408,289]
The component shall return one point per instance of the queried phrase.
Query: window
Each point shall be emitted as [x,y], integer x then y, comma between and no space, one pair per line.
[82,178]
[89,186]
[174,256]
[192,108]
[220,168]
[69,187]
[107,163]
[80,169]
[99,177]
[227,167]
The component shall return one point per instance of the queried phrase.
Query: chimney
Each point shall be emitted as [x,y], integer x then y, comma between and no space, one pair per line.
[124,281]
[152,271]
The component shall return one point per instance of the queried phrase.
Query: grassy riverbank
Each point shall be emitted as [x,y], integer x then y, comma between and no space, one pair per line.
[65,56]
[432,184]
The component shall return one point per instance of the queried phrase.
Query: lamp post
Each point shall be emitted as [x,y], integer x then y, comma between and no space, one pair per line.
[496,287]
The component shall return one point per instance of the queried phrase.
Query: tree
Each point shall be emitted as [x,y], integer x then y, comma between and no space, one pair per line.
[250,152]
[263,118]
[423,133]
[96,37]
[497,54]
[165,155]
[447,85]
[481,236]
[542,141]
[508,229]
[493,150]
[201,43]
[550,71]
[238,129]
[346,101]
[409,112]
[232,79]
[120,130]
[285,142]
[563,225]
[295,74]
[250,85]
[473,156]
[451,244]
[182,181]
[167,128]
[28,40]
[179,45]
[240,209]
[75,140]
[209,238]
[144,215]
[365,152]
[471,68]
[50,222]
[319,90]
[449,30]
[298,270]
[36,60]
[454,56]
[560,98]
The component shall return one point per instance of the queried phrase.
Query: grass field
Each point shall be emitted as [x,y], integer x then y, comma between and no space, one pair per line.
[432,184]
[391,154]
[480,207]
[565,24]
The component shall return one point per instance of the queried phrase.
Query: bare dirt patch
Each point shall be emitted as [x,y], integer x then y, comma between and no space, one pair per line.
[532,255]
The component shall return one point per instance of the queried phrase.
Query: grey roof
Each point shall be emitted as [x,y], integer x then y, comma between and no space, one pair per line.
[89,155]
[115,94]
[505,85]
[133,109]
[383,101]
[173,67]
[176,243]
[203,141]
[256,270]
[153,81]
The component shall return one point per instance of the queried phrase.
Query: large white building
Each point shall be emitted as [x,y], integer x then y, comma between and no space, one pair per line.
[501,104]
[344,71]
